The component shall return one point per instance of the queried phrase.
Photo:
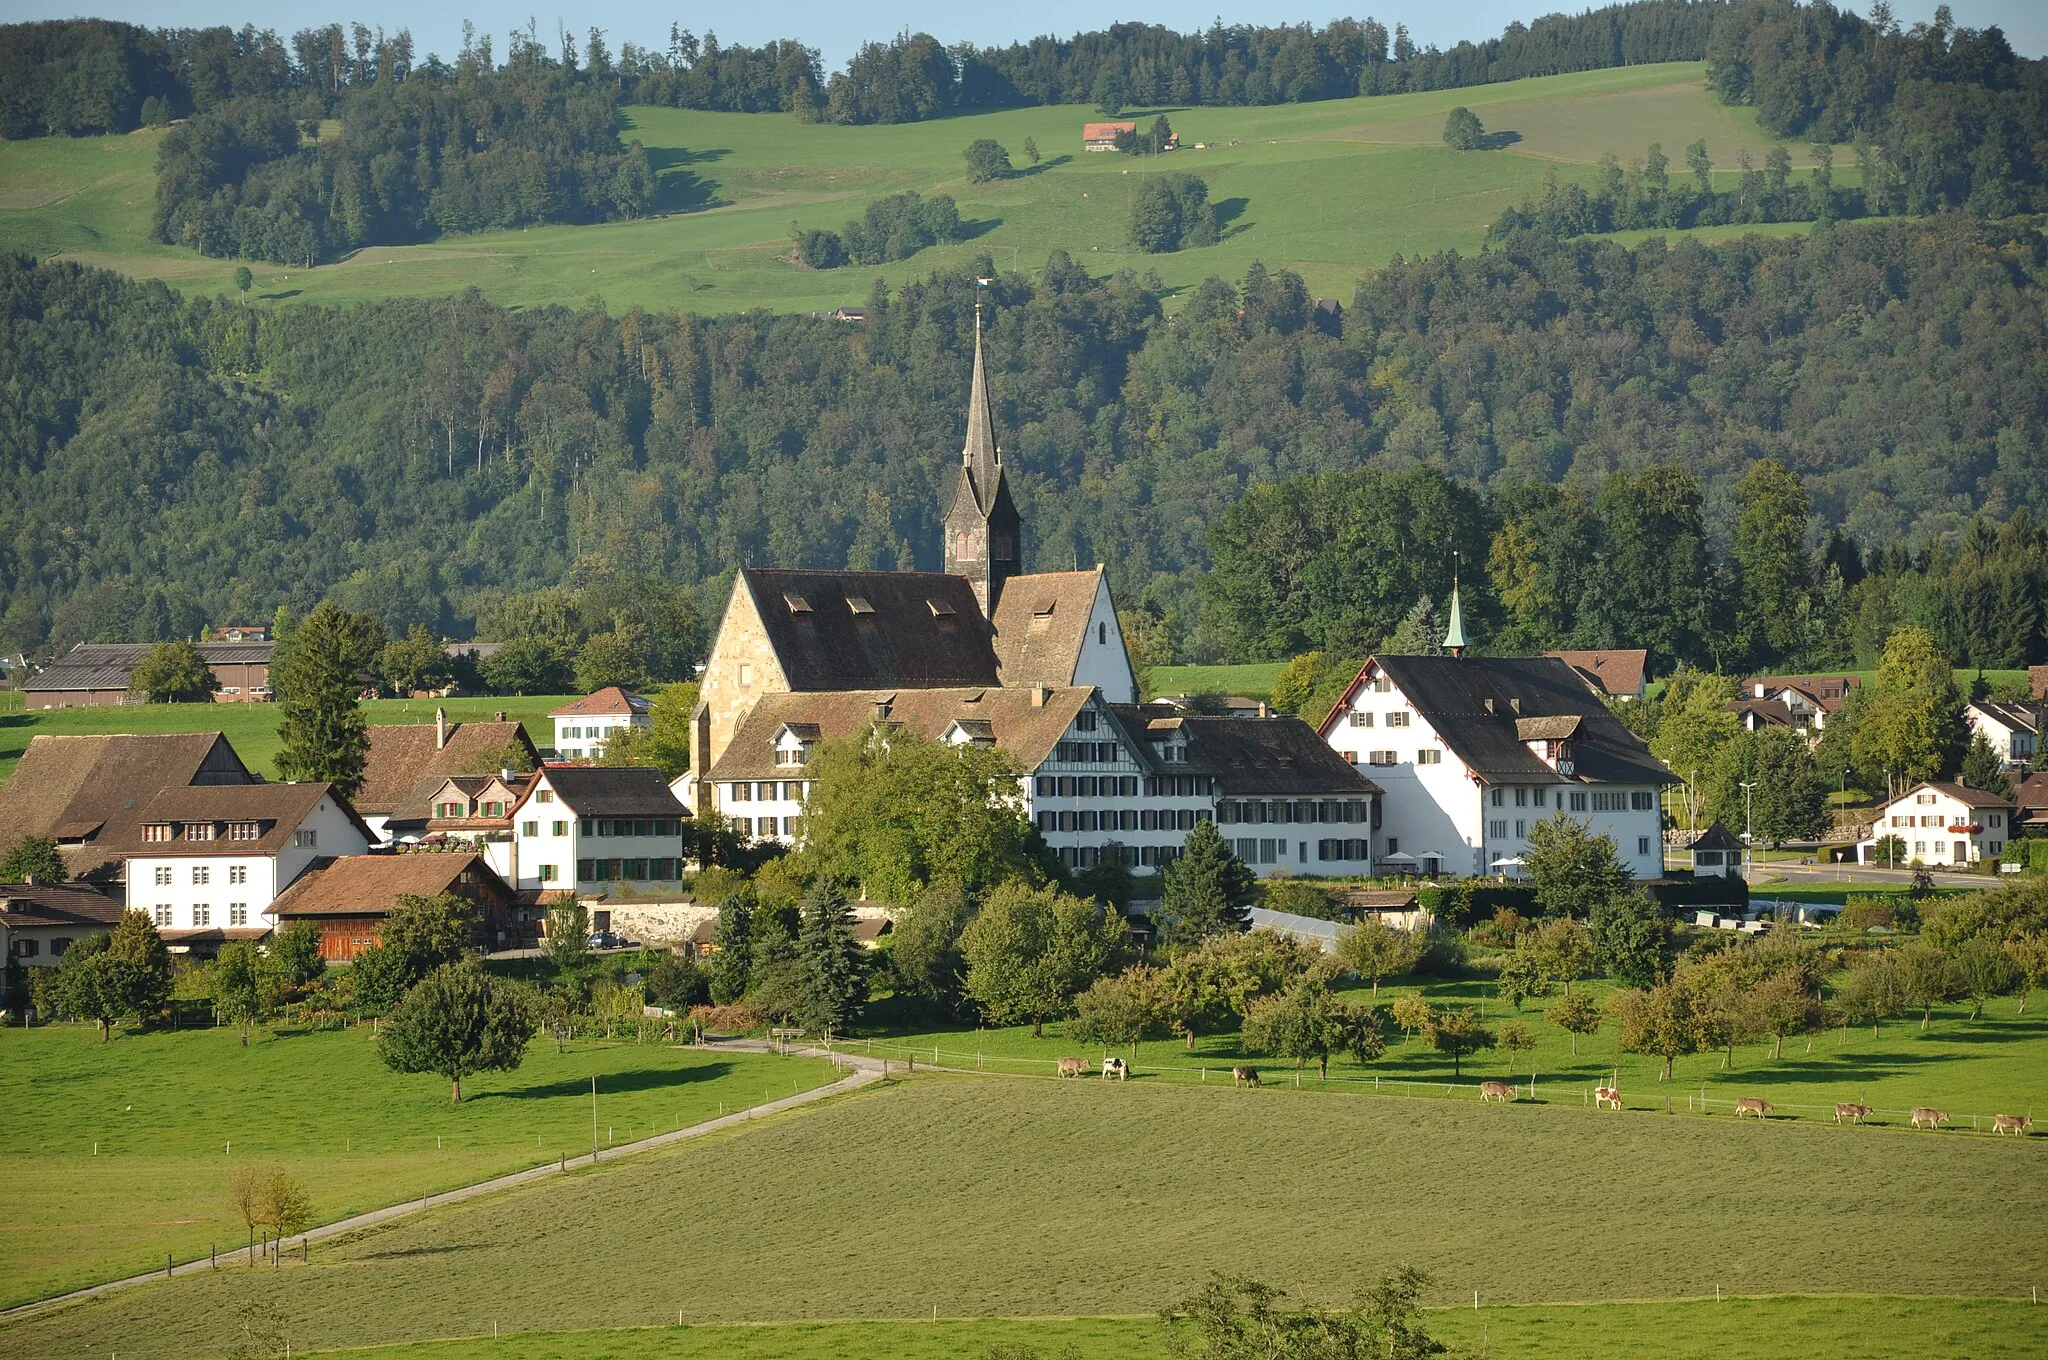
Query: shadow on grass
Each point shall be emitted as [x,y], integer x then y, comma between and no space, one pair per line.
[280,296]
[980,226]
[677,188]
[616,1083]
[1229,215]
[1043,166]
[1494,141]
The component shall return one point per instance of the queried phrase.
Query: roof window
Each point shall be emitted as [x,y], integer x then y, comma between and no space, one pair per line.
[940,609]
[797,604]
[859,605]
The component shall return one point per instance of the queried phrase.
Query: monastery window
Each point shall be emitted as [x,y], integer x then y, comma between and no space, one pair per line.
[244,831]
[1641,800]
[1359,719]
[1398,718]
[157,831]
[1429,755]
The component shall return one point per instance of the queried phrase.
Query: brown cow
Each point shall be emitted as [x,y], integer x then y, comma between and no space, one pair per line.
[1247,1075]
[1755,1105]
[1604,1096]
[1075,1067]
[1496,1090]
[2014,1124]
[1933,1119]
[1855,1114]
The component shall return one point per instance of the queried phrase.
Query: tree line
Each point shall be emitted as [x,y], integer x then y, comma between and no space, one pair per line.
[78,77]
[1941,116]
[436,456]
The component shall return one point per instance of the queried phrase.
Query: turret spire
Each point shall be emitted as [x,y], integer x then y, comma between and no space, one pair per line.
[980,455]
[1454,636]
[984,538]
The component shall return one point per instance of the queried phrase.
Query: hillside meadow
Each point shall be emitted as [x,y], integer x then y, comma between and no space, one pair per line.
[252,728]
[113,1155]
[1330,190]
[968,1197]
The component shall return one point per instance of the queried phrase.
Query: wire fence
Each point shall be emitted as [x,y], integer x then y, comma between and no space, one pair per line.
[1531,1089]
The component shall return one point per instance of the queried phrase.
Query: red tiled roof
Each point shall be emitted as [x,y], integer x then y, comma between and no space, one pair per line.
[403,754]
[1041,625]
[1611,671]
[610,699]
[370,885]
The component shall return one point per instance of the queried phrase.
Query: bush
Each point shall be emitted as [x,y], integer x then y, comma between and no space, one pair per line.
[1862,913]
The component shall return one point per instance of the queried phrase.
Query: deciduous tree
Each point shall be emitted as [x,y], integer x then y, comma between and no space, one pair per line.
[173,672]
[986,160]
[34,857]
[1576,1014]
[242,987]
[1374,950]
[1463,131]
[1029,950]
[458,1020]
[1575,870]
[1458,1033]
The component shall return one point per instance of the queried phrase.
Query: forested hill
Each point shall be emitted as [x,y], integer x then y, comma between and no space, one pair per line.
[417,459]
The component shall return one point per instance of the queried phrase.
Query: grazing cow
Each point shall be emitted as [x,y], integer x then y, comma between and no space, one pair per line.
[1247,1075]
[1933,1119]
[1496,1090]
[2014,1124]
[1115,1068]
[1075,1067]
[1755,1105]
[1855,1114]
[1604,1096]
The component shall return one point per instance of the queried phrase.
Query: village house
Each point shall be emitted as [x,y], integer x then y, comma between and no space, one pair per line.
[1615,673]
[1941,824]
[2030,799]
[350,899]
[1473,751]
[2013,729]
[595,828]
[1802,701]
[89,793]
[583,726]
[207,862]
[97,674]
[39,921]
[407,764]
[1102,136]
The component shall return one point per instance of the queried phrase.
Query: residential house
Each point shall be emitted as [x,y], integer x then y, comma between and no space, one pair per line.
[1809,700]
[583,726]
[474,811]
[407,763]
[89,793]
[2013,729]
[2037,681]
[242,632]
[1613,673]
[1942,825]
[350,899]
[39,921]
[1757,714]
[97,674]
[2031,799]
[1474,751]
[595,828]
[206,862]
[1102,136]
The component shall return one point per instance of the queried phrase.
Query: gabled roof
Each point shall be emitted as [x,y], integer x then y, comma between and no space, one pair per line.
[1611,671]
[1097,132]
[402,755]
[849,630]
[1770,712]
[93,789]
[1026,731]
[1828,691]
[2016,717]
[609,700]
[610,791]
[2032,792]
[1267,757]
[1041,625]
[1962,793]
[1474,703]
[107,665]
[1716,837]
[56,904]
[370,885]
[278,809]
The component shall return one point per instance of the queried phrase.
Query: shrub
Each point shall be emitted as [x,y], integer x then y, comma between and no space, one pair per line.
[1862,913]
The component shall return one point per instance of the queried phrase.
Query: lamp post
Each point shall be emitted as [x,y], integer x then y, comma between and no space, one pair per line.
[1747,785]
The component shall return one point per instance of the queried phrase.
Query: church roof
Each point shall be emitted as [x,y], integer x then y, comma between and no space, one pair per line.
[1028,730]
[842,630]
[1041,625]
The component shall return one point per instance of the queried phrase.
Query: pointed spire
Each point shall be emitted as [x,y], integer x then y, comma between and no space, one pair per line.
[979,454]
[1454,636]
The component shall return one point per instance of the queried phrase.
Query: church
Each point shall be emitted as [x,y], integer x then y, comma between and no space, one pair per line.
[1031,663]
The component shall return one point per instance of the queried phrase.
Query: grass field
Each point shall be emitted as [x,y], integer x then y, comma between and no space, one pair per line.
[1252,680]
[1996,1064]
[252,728]
[967,1197]
[111,1156]
[1329,189]
[1850,1328]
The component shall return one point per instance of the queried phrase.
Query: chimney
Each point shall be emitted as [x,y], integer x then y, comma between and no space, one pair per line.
[1264,712]
[28,880]
[505,776]
[499,716]
[440,729]
[1037,695]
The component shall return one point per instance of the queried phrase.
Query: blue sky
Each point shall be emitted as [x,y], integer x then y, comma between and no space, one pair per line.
[838,29]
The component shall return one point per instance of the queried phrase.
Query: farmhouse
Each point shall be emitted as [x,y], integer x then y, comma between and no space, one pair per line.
[39,921]
[589,827]
[96,674]
[1102,136]
[1942,824]
[1474,751]
[408,762]
[89,793]
[350,898]
[1621,673]
[583,726]
[1805,701]
[2013,729]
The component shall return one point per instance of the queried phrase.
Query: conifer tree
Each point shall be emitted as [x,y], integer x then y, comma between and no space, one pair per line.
[1206,890]
[315,677]
[835,964]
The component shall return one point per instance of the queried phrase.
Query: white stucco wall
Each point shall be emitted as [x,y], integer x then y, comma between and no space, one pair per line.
[1103,662]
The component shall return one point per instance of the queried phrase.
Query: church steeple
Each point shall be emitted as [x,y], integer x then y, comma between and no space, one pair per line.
[984,536]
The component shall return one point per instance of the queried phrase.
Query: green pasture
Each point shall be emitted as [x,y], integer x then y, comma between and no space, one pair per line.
[1791,1328]
[1331,190]
[111,1156]
[1251,680]
[1996,1064]
[252,728]
[966,1197]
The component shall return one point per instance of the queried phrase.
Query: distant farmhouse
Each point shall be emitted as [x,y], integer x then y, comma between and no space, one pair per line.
[1102,136]
[96,674]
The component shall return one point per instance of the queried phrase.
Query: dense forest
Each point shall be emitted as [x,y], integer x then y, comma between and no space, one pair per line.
[422,460]
[89,76]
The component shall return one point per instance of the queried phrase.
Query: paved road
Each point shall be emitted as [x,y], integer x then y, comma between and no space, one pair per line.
[1816,874]
[865,1071]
